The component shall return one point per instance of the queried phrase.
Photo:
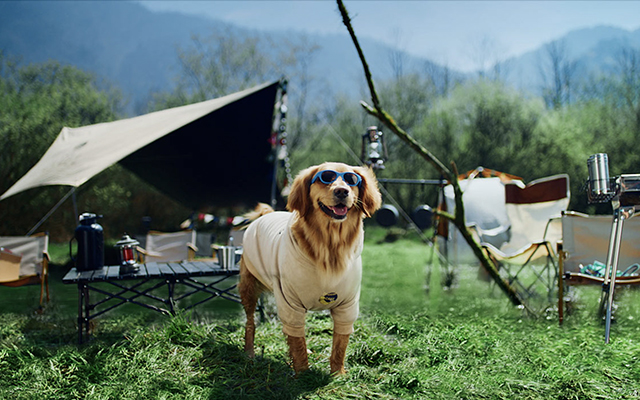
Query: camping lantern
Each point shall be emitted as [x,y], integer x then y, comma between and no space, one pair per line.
[374,151]
[128,254]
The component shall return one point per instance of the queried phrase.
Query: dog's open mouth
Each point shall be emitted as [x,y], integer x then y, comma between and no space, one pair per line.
[339,211]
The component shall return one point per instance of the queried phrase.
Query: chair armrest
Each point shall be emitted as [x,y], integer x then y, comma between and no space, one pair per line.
[144,253]
[191,251]
[488,236]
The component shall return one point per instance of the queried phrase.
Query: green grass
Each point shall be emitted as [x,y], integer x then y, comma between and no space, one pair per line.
[465,343]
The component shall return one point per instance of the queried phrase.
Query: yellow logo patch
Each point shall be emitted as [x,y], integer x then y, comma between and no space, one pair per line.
[328,298]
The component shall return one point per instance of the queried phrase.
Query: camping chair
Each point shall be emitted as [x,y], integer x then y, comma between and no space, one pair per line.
[527,260]
[167,247]
[34,262]
[485,215]
[584,247]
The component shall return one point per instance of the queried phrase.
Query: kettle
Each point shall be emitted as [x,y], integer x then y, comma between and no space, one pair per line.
[90,237]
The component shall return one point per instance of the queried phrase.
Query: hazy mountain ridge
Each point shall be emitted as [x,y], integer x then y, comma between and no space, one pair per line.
[121,41]
[135,48]
[594,50]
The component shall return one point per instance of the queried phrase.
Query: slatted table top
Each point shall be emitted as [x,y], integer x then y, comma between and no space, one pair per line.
[149,271]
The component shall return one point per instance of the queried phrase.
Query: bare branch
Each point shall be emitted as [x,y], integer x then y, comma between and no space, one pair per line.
[458,219]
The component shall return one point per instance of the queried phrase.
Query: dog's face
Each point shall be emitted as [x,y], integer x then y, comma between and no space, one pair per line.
[335,190]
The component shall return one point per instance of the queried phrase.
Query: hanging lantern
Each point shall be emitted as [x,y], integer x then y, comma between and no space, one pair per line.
[374,150]
[128,254]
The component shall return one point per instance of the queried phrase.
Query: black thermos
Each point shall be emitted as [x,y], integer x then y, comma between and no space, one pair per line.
[90,237]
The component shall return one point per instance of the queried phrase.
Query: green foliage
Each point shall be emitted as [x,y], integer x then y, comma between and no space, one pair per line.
[216,66]
[338,140]
[228,61]
[37,101]
[483,123]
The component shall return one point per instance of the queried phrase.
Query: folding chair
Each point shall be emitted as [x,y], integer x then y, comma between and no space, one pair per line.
[485,214]
[34,262]
[585,241]
[169,246]
[527,260]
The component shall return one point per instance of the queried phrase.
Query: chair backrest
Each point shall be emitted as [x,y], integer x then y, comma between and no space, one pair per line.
[169,246]
[203,243]
[585,239]
[33,250]
[531,208]
[484,209]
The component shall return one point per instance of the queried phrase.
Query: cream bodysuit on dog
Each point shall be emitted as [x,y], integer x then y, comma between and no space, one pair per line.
[272,255]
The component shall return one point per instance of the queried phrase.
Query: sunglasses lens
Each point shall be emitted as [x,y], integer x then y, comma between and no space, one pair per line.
[350,178]
[328,176]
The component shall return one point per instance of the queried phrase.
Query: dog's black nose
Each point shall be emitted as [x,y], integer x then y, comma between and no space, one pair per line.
[341,193]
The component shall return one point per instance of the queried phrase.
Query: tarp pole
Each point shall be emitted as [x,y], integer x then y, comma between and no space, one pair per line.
[75,207]
[72,191]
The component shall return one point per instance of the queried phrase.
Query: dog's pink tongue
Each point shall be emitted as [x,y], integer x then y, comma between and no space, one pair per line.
[339,209]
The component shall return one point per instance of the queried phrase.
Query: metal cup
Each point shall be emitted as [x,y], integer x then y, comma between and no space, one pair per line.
[598,165]
[226,256]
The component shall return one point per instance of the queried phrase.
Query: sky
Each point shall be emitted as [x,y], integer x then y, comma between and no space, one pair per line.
[452,33]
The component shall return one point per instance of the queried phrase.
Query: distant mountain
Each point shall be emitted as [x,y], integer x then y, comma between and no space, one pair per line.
[593,50]
[135,48]
[120,41]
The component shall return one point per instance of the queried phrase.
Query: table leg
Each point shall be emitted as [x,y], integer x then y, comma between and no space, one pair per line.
[604,299]
[83,311]
[625,213]
[80,321]
[170,287]
[87,310]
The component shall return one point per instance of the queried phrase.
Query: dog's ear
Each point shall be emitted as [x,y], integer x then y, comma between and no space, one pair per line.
[370,198]
[299,198]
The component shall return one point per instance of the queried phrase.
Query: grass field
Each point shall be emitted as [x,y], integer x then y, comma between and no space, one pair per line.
[465,343]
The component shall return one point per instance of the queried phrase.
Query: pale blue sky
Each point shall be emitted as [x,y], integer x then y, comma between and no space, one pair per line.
[452,33]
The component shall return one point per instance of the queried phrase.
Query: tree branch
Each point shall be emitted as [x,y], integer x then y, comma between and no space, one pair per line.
[458,219]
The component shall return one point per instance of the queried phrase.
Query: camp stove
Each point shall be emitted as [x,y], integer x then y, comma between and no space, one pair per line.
[624,193]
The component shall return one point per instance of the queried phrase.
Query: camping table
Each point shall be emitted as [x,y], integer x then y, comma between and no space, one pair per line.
[130,288]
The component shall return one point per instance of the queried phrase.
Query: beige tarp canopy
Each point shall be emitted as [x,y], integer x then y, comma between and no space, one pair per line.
[178,150]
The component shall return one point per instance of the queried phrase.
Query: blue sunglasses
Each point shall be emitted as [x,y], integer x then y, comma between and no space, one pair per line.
[328,176]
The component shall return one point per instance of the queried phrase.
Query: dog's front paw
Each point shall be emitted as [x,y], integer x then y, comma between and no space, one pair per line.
[301,369]
[337,371]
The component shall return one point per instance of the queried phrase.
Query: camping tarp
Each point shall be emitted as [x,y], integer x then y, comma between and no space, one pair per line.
[215,152]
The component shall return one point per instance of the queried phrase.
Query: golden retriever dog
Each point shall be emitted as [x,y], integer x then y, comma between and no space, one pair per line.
[309,257]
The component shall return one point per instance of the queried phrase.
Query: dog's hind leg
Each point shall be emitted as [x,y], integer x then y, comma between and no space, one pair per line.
[338,353]
[249,292]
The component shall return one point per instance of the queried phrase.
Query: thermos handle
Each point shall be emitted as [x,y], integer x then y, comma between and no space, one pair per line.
[70,252]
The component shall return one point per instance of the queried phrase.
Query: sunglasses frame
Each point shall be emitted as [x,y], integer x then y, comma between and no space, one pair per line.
[338,175]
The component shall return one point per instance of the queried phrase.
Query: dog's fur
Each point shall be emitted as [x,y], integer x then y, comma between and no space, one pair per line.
[330,240]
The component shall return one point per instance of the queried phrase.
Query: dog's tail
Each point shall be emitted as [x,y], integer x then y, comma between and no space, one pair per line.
[260,210]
